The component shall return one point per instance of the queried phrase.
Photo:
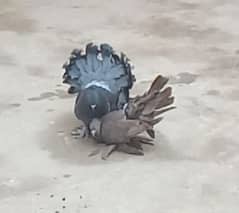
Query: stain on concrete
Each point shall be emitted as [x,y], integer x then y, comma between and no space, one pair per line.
[171,4]
[15,105]
[67,175]
[172,28]
[13,17]
[221,66]
[233,95]
[76,7]
[7,59]
[13,186]
[42,96]
[62,94]
[57,139]
[36,71]
[216,50]
[197,107]
[50,110]
[8,106]
[220,148]
[183,78]
[187,5]
[213,92]
[1,160]
[163,150]
[50,28]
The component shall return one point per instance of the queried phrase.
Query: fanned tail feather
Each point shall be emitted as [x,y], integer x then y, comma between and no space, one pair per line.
[99,64]
[151,104]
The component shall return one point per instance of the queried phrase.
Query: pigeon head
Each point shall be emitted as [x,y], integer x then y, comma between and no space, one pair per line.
[92,102]
[95,127]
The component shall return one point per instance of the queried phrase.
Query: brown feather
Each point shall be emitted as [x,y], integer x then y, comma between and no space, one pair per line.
[165,103]
[137,129]
[142,114]
[155,121]
[158,83]
[159,112]
[129,149]
[143,140]
[136,144]
[151,133]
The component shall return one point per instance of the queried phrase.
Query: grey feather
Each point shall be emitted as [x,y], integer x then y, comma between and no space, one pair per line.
[112,69]
[101,78]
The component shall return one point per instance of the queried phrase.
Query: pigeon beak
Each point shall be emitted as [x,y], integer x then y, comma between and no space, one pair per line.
[93,106]
[93,132]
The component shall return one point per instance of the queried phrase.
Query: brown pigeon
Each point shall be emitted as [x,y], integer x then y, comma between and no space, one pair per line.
[122,129]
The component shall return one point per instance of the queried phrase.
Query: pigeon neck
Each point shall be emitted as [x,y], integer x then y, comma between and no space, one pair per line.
[100,131]
[101,84]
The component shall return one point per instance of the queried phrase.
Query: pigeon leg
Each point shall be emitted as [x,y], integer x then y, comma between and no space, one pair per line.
[129,149]
[80,131]
[109,151]
[94,152]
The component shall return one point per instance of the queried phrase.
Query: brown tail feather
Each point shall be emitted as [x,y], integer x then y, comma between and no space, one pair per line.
[151,104]
[141,137]
[165,103]
[159,112]
[136,144]
[148,143]
[155,121]
[151,133]
[159,99]
[158,83]
[167,92]
[143,140]
[147,97]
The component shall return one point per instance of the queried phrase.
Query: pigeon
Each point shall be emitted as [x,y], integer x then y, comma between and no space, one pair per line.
[100,78]
[123,130]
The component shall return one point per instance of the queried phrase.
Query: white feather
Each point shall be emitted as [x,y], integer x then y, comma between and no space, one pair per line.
[101,84]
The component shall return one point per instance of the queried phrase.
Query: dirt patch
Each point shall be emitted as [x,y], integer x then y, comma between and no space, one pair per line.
[62,94]
[13,17]
[183,78]
[7,59]
[8,106]
[13,186]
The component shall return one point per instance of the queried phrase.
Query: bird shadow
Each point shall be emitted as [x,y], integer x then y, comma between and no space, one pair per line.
[61,145]
[163,150]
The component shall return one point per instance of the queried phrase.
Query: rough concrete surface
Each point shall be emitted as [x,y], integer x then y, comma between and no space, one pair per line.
[194,168]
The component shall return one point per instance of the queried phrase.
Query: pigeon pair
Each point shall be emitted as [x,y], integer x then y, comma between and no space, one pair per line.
[123,129]
[102,81]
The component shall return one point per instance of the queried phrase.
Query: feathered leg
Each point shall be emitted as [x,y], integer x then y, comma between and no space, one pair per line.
[82,131]
[129,149]
[109,151]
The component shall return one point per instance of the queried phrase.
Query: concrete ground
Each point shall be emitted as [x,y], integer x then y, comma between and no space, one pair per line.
[194,166]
